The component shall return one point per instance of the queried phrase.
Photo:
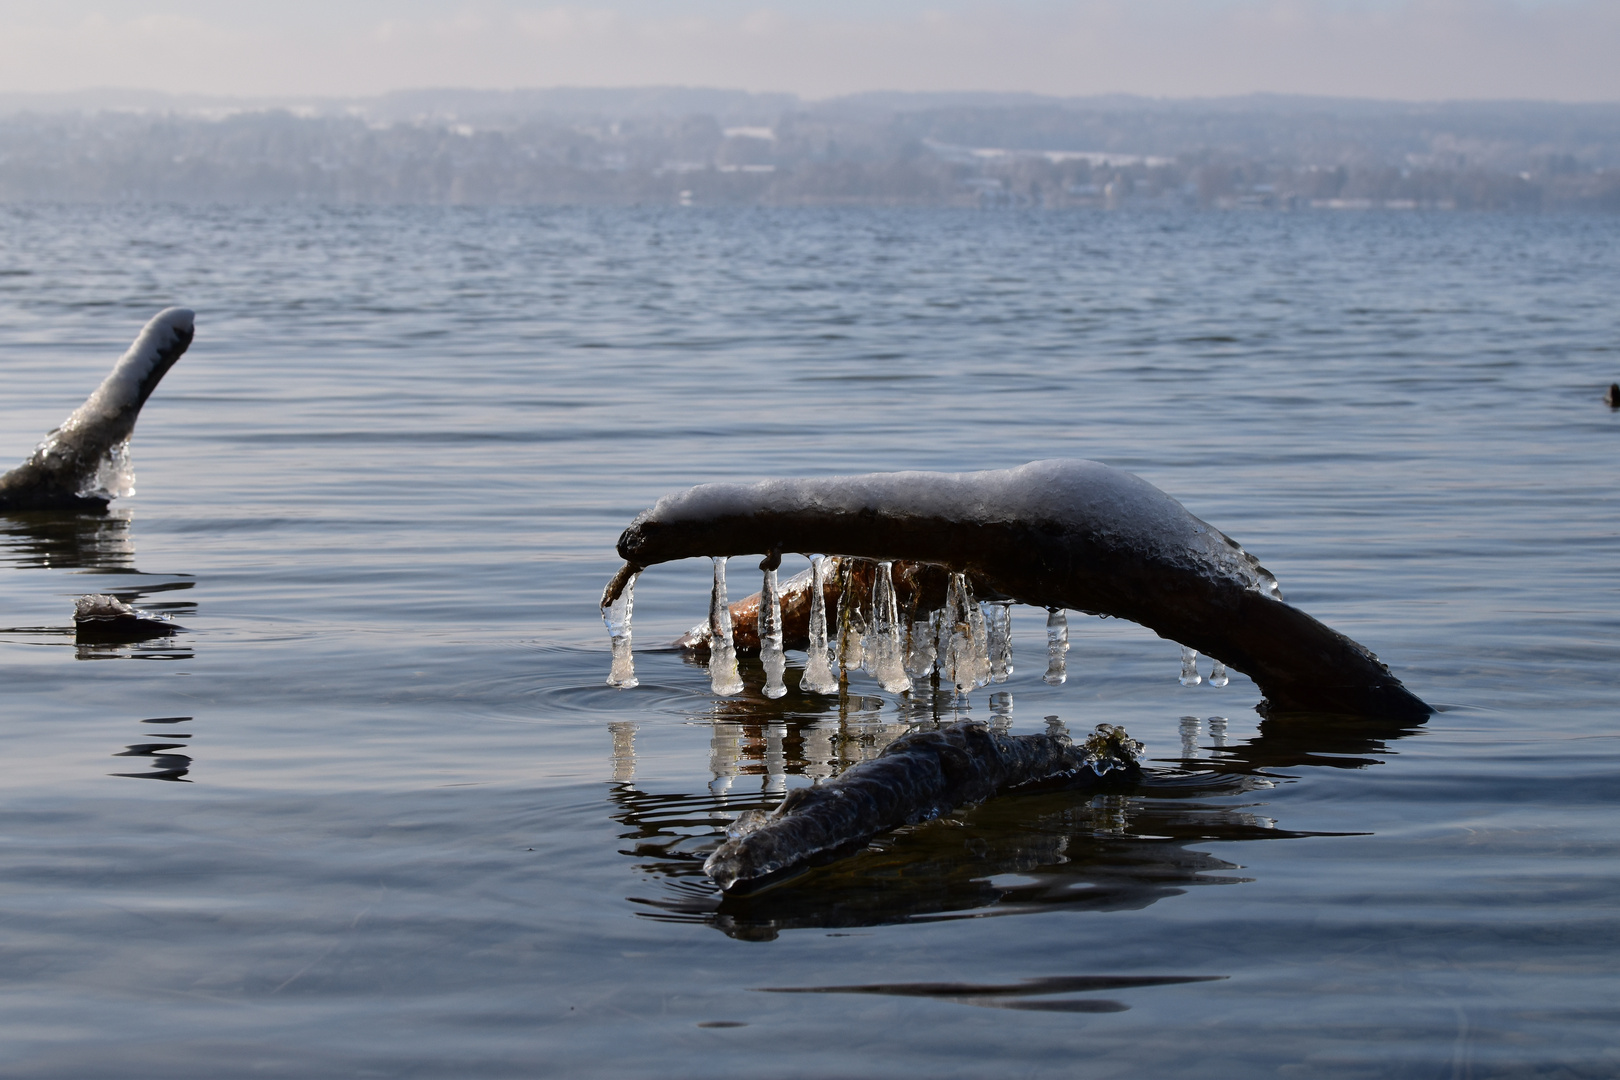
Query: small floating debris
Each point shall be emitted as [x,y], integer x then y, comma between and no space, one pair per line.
[1613,396]
[106,620]
[916,778]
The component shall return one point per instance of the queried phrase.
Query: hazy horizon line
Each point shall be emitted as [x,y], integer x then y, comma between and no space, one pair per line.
[985,96]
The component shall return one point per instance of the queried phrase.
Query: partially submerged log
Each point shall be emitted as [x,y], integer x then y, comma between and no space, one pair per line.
[99,619]
[1052,534]
[84,464]
[917,777]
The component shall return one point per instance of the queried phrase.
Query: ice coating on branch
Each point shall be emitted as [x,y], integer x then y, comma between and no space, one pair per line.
[723,676]
[998,634]
[1217,675]
[1189,667]
[105,620]
[616,614]
[916,778]
[818,676]
[887,660]
[99,607]
[771,654]
[1057,647]
[114,477]
[86,461]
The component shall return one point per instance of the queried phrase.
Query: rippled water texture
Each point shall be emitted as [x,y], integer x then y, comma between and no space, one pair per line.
[374,811]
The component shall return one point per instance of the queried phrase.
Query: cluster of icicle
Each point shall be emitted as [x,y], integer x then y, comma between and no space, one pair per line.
[1189,670]
[968,642]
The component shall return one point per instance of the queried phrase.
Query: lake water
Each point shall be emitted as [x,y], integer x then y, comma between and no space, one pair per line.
[374,813]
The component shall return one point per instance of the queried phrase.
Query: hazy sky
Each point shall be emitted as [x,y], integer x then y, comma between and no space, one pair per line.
[1418,49]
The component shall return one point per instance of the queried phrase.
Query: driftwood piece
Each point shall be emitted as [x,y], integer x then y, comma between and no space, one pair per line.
[917,777]
[72,467]
[1070,534]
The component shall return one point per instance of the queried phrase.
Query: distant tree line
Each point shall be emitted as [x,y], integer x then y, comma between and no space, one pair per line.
[839,154]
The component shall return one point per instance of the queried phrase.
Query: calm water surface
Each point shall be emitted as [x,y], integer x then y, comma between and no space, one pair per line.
[375,813]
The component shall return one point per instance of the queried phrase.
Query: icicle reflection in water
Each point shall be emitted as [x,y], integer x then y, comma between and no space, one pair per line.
[617,617]
[775,758]
[624,751]
[998,633]
[1001,707]
[1217,675]
[1190,727]
[1189,667]
[818,677]
[723,677]
[1057,647]
[770,630]
[725,750]
[886,659]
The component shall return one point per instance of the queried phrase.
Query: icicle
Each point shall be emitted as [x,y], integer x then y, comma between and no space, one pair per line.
[617,617]
[852,623]
[944,633]
[922,647]
[1057,647]
[1217,677]
[979,639]
[723,677]
[818,676]
[1189,667]
[885,657]
[969,658]
[998,630]
[770,630]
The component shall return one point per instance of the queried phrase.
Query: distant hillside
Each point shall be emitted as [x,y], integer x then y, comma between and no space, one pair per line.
[695,145]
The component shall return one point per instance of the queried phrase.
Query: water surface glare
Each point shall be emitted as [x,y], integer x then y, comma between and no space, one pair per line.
[400,825]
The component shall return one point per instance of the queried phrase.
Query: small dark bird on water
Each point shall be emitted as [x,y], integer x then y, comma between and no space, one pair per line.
[1613,396]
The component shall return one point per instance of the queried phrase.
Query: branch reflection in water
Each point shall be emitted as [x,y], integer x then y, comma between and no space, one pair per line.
[166,764]
[1018,854]
[54,539]
[97,543]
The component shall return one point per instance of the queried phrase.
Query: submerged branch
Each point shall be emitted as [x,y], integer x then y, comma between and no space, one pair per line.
[917,777]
